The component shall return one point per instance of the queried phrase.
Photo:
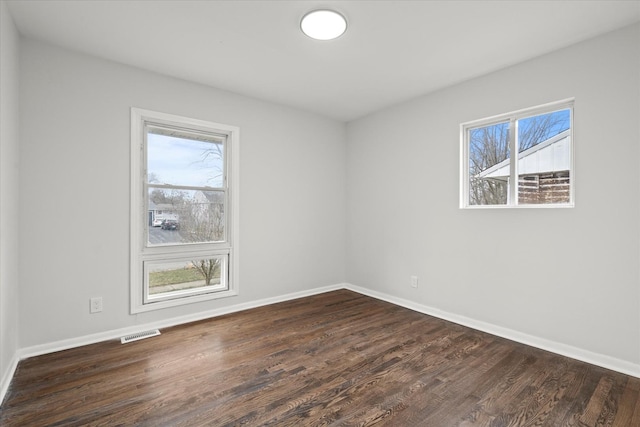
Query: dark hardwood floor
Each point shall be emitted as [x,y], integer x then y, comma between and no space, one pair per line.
[338,358]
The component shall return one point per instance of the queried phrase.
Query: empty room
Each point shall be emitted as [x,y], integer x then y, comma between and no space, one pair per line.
[306,213]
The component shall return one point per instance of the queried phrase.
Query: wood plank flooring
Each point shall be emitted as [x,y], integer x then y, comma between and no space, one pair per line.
[336,359]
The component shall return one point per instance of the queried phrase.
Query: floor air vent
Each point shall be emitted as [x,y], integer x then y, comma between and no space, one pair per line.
[139,336]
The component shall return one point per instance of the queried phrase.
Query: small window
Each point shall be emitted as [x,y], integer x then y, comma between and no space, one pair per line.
[186,171]
[524,159]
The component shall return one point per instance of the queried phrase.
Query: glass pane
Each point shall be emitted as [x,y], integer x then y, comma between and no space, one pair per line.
[537,129]
[544,158]
[489,165]
[184,159]
[185,216]
[174,278]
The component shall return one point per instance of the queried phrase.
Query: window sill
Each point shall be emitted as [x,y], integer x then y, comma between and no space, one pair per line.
[176,302]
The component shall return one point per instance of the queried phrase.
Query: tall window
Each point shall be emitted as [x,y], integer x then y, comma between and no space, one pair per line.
[184,210]
[524,158]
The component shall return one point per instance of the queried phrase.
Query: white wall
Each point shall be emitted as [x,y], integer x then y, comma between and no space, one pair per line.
[564,275]
[74,185]
[9,122]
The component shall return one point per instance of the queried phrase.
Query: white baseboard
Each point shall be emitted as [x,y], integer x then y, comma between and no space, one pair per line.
[583,355]
[117,333]
[8,376]
[52,347]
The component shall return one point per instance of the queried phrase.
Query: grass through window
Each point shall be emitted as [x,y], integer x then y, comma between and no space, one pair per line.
[173,277]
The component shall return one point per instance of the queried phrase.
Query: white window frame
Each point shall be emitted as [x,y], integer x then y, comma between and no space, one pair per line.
[141,252]
[512,118]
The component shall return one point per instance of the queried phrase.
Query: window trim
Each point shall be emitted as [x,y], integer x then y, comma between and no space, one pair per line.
[512,118]
[140,252]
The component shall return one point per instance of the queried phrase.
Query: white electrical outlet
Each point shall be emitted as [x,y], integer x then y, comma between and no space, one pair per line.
[96,305]
[414,281]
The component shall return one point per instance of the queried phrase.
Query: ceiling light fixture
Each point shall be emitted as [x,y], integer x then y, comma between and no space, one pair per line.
[323,24]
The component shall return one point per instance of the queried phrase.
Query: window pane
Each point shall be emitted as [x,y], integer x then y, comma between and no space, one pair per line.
[489,165]
[184,159]
[172,278]
[537,129]
[544,158]
[185,216]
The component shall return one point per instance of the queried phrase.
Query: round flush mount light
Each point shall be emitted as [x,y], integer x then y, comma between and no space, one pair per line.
[323,24]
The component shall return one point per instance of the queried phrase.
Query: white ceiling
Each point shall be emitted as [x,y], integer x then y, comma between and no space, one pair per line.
[392,50]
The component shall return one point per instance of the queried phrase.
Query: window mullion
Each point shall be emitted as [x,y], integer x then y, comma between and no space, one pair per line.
[184,187]
[513,164]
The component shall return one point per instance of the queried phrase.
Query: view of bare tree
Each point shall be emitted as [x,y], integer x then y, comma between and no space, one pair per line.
[488,146]
[209,268]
